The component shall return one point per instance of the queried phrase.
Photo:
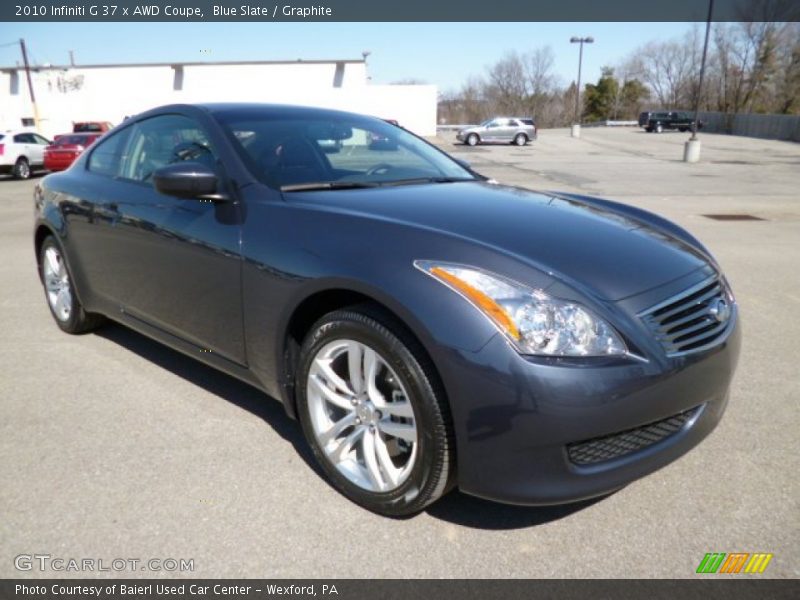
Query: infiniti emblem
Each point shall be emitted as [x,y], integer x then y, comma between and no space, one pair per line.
[720,310]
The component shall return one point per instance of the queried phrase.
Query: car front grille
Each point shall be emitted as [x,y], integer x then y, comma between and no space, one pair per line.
[694,320]
[620,444]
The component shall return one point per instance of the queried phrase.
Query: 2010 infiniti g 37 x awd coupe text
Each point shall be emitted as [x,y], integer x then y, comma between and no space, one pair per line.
[429,328]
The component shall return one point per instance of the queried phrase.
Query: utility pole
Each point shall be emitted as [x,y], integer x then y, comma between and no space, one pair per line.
[30,83]
[576,126]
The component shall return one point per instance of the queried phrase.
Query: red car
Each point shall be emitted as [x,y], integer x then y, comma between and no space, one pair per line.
[66,148]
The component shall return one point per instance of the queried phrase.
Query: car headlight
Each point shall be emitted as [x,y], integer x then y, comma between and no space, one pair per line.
[535,322]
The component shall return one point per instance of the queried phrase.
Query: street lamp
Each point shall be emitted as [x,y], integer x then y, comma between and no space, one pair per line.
[576,126]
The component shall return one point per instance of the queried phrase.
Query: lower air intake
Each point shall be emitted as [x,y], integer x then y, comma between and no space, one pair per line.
[613,446]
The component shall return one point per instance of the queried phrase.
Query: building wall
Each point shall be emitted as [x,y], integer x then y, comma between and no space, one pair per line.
[110,94]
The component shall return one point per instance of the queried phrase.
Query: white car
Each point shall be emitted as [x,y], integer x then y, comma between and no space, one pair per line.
[21,152]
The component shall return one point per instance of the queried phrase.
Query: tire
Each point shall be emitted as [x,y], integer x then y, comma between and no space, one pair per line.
[648,129]
[520,139]
[22,170]
[334,407]
[473,139]
[659,128]
[60,293]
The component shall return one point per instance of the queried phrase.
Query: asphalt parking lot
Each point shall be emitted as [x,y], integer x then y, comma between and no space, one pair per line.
[115,447]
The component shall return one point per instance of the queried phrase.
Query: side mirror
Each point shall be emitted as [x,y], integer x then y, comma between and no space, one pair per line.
[188,180]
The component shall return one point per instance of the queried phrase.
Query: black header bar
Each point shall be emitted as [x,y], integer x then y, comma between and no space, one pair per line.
[397,11]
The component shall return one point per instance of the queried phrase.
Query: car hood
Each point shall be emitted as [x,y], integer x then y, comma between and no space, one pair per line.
[611,253]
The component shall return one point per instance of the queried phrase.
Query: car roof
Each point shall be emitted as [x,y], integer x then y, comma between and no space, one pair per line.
[277,110]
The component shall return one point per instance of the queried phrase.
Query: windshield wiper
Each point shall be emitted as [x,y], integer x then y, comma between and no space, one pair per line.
[328,185]
[351,185]
[415,180]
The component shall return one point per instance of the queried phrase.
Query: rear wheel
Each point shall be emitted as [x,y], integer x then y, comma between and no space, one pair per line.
[520,139]
[473,139]
[373,412]
[22,170]
[60,293]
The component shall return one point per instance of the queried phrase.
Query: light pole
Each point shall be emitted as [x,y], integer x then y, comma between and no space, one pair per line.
[576,126]
[691,149]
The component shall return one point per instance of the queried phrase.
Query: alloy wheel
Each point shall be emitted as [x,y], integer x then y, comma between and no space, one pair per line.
[57,285]
[361,416]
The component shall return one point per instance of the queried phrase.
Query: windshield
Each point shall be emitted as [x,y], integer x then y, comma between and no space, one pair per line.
[334,151]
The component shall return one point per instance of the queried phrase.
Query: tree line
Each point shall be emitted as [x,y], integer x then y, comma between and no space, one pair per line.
[751,67]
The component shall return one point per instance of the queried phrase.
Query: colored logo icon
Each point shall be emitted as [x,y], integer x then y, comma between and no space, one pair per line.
[737,562]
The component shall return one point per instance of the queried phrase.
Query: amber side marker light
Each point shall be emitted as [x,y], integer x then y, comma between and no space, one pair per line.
[493,310]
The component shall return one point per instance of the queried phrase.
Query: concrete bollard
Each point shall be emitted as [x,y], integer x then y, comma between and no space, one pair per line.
[576,131]
[691,151]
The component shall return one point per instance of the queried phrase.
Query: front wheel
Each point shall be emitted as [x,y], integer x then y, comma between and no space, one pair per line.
[472,139]
[520,139]
[60,292]
[373,412]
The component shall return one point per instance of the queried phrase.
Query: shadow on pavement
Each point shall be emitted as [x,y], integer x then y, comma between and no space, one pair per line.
[456,507]
[469,511]
[226,387]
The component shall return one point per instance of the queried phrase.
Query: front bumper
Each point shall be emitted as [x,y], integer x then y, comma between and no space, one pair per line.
[516,417]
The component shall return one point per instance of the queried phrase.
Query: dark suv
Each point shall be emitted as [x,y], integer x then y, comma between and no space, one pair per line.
[659,121]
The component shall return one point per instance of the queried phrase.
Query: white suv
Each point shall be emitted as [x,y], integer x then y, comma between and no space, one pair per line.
[21,152]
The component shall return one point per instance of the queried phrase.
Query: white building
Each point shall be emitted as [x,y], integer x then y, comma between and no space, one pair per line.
[69,93]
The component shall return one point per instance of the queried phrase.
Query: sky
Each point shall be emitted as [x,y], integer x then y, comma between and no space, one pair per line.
[444,54]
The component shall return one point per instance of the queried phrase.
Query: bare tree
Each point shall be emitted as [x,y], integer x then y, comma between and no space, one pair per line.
[787,80]
[507,83]
[668,69]
[541,84]
[747,70]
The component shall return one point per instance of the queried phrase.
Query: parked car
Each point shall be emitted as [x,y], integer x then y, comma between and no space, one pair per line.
[21,153]
[91,127]
[659,121]
[65,148]
[429,328]
[514,130]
